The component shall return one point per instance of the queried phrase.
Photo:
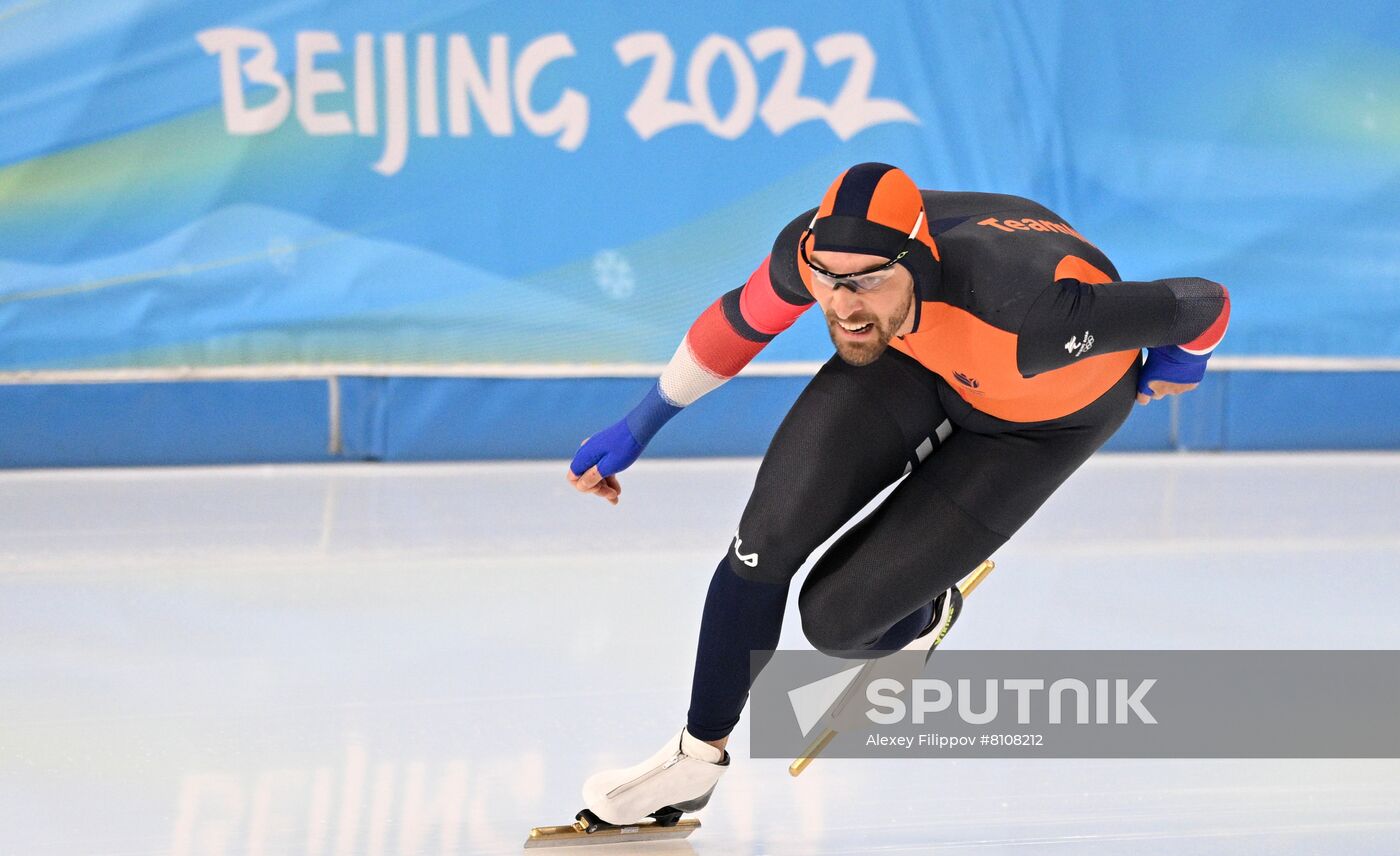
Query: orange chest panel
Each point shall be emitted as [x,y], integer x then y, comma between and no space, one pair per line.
[979,361]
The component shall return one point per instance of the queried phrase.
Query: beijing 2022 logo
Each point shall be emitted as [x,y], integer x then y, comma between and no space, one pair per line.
[499,90]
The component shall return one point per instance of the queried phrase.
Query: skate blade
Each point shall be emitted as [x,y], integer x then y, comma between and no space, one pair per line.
[970,582]
[569,836]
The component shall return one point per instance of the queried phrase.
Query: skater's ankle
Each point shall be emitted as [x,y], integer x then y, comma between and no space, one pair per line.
[706,750]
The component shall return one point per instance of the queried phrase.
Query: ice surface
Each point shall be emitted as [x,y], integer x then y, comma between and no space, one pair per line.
[424,659]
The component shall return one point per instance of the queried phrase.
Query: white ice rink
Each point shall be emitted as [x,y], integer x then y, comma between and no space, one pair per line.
[426,659]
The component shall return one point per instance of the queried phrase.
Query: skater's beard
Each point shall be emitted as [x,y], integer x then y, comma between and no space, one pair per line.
[866,352]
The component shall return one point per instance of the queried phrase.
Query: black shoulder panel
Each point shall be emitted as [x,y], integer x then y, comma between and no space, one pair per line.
[1001,252]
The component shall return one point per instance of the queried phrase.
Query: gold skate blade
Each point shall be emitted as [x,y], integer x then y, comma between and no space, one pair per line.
[813,750]
[974,579]
[569,836]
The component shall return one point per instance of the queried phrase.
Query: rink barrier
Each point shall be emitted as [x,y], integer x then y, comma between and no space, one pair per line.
[483,412]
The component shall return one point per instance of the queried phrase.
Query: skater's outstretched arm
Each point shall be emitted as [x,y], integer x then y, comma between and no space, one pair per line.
[1179,321]
[722,341]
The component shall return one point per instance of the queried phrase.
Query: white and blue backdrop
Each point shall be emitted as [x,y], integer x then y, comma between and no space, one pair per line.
[301,230]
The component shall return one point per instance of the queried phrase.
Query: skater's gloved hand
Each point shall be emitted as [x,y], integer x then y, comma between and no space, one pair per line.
[602,456]
[1169,370]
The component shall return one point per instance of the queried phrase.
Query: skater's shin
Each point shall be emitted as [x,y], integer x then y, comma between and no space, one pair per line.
[740,616]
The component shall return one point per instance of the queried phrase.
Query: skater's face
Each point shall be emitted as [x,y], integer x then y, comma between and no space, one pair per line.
[862,320]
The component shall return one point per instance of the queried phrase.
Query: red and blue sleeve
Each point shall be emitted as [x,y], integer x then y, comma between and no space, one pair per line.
[726,336]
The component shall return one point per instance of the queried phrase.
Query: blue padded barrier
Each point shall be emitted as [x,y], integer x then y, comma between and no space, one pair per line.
[457,418]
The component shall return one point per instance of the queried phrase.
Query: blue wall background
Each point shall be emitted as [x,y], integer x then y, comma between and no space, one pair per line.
[363,207]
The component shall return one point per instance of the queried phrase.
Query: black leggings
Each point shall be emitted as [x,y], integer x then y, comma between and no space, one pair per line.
[973,480]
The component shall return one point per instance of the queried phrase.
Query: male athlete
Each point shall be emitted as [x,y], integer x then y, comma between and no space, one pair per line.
[983,346]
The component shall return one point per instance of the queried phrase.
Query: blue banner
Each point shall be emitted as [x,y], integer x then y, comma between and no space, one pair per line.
[211,184]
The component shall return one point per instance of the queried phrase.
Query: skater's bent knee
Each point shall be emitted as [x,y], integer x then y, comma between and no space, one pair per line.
[845,646]
[834,631]
[766,566]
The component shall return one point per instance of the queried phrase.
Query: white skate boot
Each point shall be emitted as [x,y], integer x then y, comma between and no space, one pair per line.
[679,778]
[644,802]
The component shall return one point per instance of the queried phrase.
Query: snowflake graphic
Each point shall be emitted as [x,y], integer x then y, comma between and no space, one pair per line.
[613,273]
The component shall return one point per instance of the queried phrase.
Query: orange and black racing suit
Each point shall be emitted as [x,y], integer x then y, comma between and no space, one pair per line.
[1022,361]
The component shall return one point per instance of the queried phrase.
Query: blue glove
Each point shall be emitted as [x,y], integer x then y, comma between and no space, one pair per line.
[617,446]
[612,450]
[1170,363]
